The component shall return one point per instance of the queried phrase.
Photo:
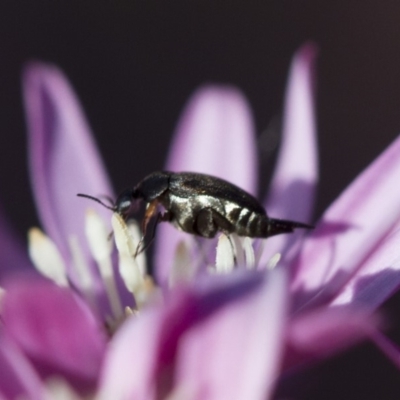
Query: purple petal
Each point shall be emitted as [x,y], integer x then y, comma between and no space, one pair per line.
[390,349]
[152,343]
[17,376]
[215,136]
[132,359]
[221,351]
[13,255]
[377,279]
[55,329]
[292,192]
[64,159]
[350,230]
[326,331]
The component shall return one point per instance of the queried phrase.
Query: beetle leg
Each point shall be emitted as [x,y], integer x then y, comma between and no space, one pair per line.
[161,217]
[208,222]
[150,211]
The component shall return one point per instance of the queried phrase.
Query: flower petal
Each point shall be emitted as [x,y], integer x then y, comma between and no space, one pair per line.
[214,133]
[326,331]
[131,360]
[221,360]
[64,159]
[17,376]
[13,255]
[353,227]
[377,279]
[154,338]
[215,136]
[389,348]
[292,192]
[55,329]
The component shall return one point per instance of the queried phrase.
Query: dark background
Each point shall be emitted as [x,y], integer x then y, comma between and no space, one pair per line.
[134,63]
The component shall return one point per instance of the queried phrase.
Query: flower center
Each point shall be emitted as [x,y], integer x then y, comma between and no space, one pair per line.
[83,274]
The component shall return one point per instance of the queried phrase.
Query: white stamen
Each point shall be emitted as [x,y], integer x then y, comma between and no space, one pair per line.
[249,252]
[237,249]
[97,236]
[274,260]
[123,239]
[101,248]
[85,279]
[134,231]
[182,269]
[259,251]
[58,389]
[130,273]
[225,258]
[183,391]
[128,267]
[45,257]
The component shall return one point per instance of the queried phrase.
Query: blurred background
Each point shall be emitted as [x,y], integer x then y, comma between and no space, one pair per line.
[134,63]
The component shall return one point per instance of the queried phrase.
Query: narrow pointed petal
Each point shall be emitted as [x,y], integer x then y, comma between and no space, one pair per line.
[292,192]
[323,332]
[55,330]
[13,254]
[389,348]
[153,339]
[136,342]
[350,230]
[17,376]
[215,135]
[221,360]
[377,279]
[63,157]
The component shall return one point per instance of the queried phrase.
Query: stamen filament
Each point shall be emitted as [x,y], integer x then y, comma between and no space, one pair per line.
[58,389]
[101,248]
[274,260]
[84,279]
[259,251]
[182,269]
[237,249]
[249,253]
[128,266]
[135,234]
[225,258]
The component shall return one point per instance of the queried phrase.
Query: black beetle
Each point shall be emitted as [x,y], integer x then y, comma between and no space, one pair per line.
[200,204]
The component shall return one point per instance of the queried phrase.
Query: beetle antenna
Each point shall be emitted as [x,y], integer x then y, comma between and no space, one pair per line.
[96,200]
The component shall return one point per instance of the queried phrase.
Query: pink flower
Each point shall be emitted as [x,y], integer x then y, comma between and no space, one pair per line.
[217,329]
[327,313]
[195,347]
[50,334]
[52,331]
[55,330]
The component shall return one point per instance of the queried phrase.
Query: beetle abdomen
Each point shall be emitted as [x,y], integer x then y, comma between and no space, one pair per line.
[245,221]
[254,224]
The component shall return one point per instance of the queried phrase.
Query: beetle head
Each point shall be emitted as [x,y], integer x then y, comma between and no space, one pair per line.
[126,202]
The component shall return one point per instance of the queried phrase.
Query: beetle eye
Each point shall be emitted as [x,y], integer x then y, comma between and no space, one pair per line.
[124,206]
[123,203]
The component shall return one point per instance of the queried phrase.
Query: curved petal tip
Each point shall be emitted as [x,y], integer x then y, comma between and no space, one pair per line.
[292,192]
[214,132]
[215,135]
[64,159]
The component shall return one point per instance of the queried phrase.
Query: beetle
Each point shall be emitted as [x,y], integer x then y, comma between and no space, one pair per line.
[200,204]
